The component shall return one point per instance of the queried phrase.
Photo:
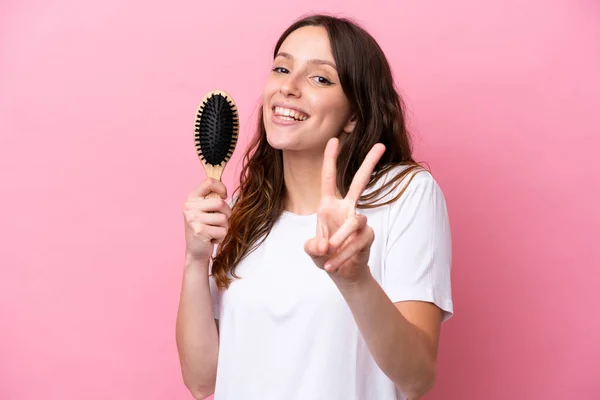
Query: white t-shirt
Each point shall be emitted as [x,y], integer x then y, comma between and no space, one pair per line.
[286,332]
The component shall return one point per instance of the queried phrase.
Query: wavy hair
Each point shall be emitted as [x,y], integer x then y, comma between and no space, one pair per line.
[367,82]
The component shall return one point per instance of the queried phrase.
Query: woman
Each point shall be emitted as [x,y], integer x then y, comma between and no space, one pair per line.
[332,275]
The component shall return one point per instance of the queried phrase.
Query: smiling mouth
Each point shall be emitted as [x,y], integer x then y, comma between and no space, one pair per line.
[288,114]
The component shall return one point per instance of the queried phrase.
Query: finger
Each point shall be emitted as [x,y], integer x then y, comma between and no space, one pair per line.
[323,246]
[212,219]
[362,239]
[363,175]
[207,205]
[322,231]
[328,171]
[310,247]
[207,186]
[219,234]
[316,247]
[351,225]
[225,208]
[208,233]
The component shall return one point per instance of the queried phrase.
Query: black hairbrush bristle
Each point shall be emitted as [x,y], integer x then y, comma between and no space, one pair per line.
[216,128]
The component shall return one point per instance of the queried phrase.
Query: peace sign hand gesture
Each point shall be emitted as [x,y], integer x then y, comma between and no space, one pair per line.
[343,240]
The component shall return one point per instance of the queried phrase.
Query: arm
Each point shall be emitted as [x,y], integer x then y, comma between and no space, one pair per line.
[196,332]
[402,337]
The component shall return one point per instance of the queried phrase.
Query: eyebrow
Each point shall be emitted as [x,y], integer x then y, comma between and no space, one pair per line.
[313,61]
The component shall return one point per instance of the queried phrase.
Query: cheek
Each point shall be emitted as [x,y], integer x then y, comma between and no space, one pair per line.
[269,89]
[333,111]
[332,103]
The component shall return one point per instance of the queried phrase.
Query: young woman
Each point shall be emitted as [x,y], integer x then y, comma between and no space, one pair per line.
[332,274]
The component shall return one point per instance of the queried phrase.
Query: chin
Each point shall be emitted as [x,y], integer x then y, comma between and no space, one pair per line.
[278,141]
[280,138]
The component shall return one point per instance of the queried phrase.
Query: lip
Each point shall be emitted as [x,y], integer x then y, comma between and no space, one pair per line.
[283,122]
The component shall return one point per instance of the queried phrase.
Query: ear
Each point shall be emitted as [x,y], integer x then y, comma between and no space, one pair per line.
[351,124]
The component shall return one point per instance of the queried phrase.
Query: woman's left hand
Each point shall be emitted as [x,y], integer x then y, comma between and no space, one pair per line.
[343,240]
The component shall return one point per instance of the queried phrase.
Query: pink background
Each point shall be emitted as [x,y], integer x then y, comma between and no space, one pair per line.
[97,101]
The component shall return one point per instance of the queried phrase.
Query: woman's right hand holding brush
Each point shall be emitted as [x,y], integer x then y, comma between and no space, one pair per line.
[206,220]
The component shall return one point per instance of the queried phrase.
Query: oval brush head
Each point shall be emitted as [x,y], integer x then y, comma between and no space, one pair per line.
[216,132]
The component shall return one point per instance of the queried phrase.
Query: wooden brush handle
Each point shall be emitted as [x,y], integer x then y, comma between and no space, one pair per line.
[214,172]
[213,195]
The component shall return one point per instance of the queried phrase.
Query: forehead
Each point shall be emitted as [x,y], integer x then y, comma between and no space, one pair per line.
[308,42]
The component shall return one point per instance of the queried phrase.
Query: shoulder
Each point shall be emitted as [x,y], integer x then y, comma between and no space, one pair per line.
[404,183]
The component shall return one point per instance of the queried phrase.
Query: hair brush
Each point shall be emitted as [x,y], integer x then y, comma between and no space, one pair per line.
[216,133]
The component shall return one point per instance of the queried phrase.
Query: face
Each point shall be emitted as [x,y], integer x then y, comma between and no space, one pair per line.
[303,101]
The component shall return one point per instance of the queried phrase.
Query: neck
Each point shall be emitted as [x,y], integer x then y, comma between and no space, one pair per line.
[302,177]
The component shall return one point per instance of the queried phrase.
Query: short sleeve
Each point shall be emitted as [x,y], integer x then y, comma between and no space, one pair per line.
[418,249]
[216,295]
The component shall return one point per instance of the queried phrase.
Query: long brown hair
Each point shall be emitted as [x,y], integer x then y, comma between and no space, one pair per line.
[366,79]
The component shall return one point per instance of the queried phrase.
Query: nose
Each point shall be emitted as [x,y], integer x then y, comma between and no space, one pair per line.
[290,87]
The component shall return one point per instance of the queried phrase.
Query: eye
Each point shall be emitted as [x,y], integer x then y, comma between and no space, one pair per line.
[280,70]
[321,80]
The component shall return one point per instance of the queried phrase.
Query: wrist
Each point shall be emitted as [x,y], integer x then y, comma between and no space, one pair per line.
[360,283]
[194,262]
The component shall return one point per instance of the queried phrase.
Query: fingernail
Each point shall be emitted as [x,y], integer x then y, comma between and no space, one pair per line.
[328,266]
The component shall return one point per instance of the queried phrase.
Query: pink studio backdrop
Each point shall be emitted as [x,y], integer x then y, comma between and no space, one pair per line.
[97,100]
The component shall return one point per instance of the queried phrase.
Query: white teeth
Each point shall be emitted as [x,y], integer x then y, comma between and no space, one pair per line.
[289,114]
